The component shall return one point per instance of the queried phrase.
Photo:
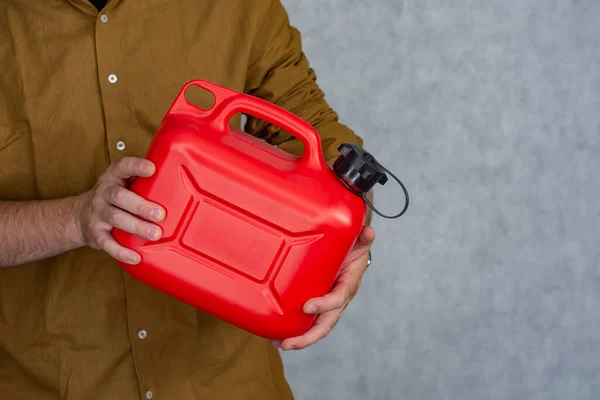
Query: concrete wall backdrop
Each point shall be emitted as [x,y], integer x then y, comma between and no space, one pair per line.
[489,288]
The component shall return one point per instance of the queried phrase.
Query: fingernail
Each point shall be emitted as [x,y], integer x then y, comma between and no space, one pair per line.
[311,309]
[154,233]
[146,168]
[155,214]
[134,259]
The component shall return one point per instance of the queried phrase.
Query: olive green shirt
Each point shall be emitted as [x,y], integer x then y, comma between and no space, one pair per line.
[80,90]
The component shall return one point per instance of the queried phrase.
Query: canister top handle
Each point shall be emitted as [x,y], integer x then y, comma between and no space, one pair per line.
[228,102]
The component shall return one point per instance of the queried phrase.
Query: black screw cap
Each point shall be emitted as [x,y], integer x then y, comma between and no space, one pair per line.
[359,168]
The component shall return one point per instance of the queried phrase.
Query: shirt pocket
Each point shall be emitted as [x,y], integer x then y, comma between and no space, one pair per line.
[8,136]
[17,167]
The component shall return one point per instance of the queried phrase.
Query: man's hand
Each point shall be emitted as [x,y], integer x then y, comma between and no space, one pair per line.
[109,204]
[331,305]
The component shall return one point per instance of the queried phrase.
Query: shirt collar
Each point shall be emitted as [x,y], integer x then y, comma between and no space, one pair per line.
[88,8]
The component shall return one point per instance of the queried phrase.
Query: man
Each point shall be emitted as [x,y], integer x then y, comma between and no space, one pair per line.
[82,90]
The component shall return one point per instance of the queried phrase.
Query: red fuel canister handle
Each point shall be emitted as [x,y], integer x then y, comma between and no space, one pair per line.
[229,102]
[182,106]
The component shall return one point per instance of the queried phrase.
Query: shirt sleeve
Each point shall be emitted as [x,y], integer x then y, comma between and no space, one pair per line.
[280,73]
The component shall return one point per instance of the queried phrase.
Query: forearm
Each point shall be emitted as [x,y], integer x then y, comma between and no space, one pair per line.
[35,230]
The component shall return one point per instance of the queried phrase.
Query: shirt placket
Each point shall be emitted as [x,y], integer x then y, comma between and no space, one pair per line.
[113,88]
[112,84]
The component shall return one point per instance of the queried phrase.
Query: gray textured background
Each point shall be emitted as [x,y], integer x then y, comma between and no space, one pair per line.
[489,288]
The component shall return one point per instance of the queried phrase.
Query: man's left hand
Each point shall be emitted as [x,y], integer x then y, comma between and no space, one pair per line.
[330,306]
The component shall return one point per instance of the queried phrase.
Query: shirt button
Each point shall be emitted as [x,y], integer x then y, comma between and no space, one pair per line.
[104,18]
[112,78]
[149,394]
[142,334]
[120,145]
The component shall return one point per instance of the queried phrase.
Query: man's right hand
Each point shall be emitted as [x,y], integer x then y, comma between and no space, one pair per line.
[109,204]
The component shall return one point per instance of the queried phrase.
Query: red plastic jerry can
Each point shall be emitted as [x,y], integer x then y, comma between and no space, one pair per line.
[251,232]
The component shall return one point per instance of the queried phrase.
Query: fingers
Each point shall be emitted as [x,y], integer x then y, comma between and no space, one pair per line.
[111,205]
[107,243]
[341,294]
[321,328]
[129,167]
[331,306]
[345,288]
[361,248]
[133,203]
[127,222]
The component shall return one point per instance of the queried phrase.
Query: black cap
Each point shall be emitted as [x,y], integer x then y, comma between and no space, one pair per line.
[359,168]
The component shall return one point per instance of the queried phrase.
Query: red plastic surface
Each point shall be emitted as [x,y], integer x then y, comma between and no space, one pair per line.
[251,232]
